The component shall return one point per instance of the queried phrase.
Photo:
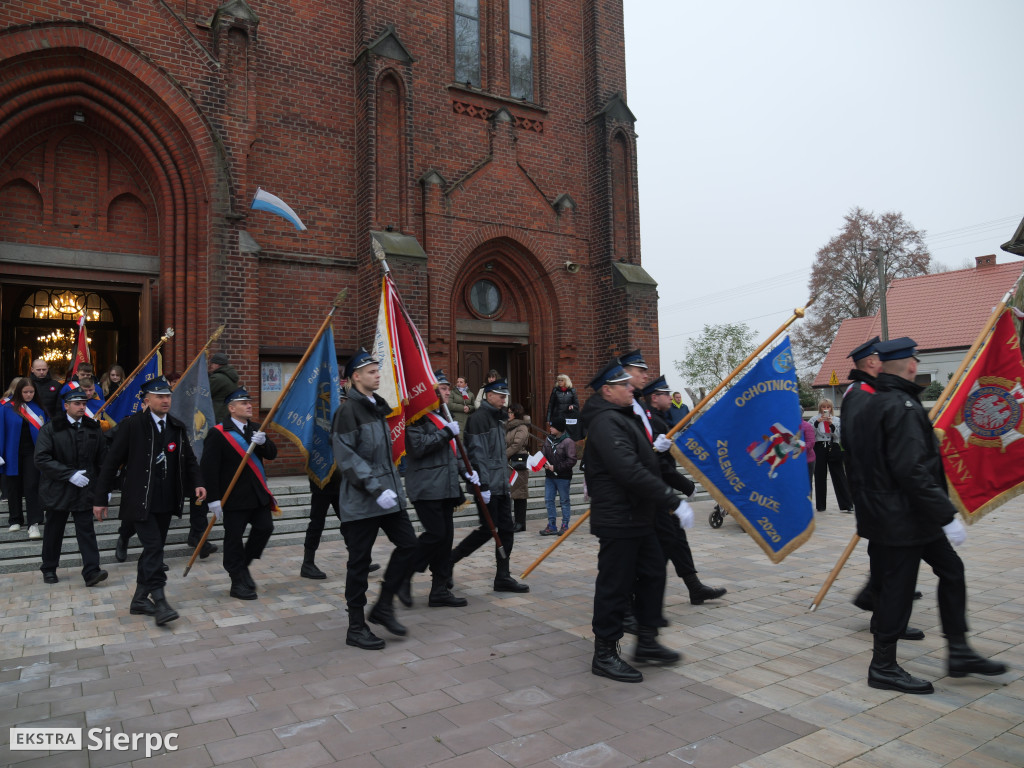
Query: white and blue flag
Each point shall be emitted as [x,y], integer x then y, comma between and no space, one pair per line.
[264,201]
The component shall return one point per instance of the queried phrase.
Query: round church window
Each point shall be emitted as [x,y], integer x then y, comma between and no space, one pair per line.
[485,298]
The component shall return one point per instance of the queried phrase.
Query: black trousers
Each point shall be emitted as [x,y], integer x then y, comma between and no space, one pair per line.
[25,483]
[673,543]
[238,555]
[501,513]
[435,543]
[320,500]
[152,534]
[828,459]
[895,571]
[53,538]
[197,522]
[359,538]
[628,570]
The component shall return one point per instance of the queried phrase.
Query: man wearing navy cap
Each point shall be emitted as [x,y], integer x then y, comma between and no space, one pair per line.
[905,513]
[160,470]
[485,444]
[250,503]
[626,491]
[371,500]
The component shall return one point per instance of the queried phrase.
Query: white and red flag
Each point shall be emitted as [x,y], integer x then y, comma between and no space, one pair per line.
[536,461]
[81,347]
[407,379]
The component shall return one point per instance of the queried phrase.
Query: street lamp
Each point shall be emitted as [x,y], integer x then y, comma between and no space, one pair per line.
[879,254]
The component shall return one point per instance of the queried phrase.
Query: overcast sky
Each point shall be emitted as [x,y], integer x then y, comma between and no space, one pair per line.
[761,124]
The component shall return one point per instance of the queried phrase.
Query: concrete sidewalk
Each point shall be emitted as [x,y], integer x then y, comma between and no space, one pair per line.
[506,681]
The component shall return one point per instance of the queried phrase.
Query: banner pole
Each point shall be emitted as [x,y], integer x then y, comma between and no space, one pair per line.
[168,334]
[206,346]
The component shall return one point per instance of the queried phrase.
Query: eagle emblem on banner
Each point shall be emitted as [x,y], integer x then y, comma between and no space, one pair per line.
[991,415]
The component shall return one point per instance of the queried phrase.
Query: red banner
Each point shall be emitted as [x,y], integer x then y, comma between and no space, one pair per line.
[82,347]
[982,426]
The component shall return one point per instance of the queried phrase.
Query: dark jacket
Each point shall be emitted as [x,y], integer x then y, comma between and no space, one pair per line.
[563,403]
[362,451]
[223,382]
[220,462]
[134,445]
[675,413]
[47,394]
[431,466]
[857,396]
[485,444]
[623,476]
[561,455]
[61,451]
[667,462]
[902,499]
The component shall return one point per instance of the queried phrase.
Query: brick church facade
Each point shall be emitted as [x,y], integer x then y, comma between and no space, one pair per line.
[487,145]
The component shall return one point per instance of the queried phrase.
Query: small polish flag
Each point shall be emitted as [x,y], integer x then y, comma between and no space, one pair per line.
[513,477]
[536,462]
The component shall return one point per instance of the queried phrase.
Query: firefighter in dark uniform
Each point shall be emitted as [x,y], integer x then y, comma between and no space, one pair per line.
[627,492]
[905,512]
[671,535]
[485,444]
[250,503]
[160,471]
[371,500]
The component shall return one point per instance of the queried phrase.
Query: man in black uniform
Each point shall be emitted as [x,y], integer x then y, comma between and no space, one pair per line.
[371,500]
[250,502]
[671,535]
[432,482]
[907,516]
[159,471]
[485,444]
[69,454]
[627,493]
[47,390]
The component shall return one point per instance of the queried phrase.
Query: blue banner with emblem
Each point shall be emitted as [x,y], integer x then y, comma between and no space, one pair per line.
[193,403]
[305,415]
[747,452]
[128,401]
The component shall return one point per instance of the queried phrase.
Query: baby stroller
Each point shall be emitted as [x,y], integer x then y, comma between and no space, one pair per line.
[717,516]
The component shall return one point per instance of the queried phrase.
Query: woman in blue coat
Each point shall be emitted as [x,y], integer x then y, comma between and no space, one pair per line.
[20,421]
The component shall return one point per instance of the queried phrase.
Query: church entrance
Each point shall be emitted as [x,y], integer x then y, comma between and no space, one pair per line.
[510,360]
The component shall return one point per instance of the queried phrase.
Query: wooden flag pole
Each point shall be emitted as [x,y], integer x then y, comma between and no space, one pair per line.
[266,422]
[168,334]
[835,572]
[206,346]
[797,314]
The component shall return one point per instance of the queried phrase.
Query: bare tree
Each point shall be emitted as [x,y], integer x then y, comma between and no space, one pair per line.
[844,277]
[714,355]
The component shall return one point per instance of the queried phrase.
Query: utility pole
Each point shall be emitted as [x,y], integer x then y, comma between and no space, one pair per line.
[879,254]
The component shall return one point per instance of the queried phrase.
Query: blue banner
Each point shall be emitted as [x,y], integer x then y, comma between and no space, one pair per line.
[305,415]
[193,404]
[128,402]
[746,450]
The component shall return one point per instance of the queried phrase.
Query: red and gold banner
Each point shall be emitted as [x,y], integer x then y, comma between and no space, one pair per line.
[981,430]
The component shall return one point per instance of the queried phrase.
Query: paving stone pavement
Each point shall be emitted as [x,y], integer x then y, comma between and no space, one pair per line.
[506,681]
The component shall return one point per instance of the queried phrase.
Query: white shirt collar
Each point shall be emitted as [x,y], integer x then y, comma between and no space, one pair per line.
[73,421]
[239,424]
[158,419]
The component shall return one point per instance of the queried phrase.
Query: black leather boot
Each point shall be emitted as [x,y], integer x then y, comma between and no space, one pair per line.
[309,569]
[964,660]
[607,663]
[359,635]
[701,592]
[441,597]
[629,624]
[383,613]
[503,581]
[240,588]
[886,674]
[909,633]
[121,549]
[164,613]
[404,592]
[519,512]
[141,604]
[649,650]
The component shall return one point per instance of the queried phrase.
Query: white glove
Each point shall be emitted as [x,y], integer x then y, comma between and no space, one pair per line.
[388,499]
[955,532]
[685,514]
[218,511]
[473,477]
[2,462]
[662,443]
[79,479]
[453,427]
[259,438]
[486,496]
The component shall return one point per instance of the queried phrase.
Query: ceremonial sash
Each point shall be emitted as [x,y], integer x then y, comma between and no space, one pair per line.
[639,411]
[35,420]
[439,423]
[240,444]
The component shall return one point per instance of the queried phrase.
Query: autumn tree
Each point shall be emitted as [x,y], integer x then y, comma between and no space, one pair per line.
[714,354]
[844,277]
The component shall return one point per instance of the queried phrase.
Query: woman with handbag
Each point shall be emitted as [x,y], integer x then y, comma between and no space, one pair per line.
[517,435]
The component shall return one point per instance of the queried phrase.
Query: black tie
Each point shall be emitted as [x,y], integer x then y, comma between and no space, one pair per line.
[75,424]
[160,427]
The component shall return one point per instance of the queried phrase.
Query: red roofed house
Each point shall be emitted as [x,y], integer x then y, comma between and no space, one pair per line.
[942,312]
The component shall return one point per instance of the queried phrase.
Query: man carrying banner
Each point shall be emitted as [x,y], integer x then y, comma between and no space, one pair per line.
[907,516]
[626,492]
[432,482]
[371,500]
[159,470]
[485,444]
[250,502]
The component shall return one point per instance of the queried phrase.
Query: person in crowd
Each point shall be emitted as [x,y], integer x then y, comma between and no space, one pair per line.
[560,451]
[492,376]
[160,470]
[905,512]
[565,404]
[462,402]
[111,380]
[47,389]
[828,453]
[223,381]
[807,435]
[69,453]
[677,409]
[517,438]
[20,421]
